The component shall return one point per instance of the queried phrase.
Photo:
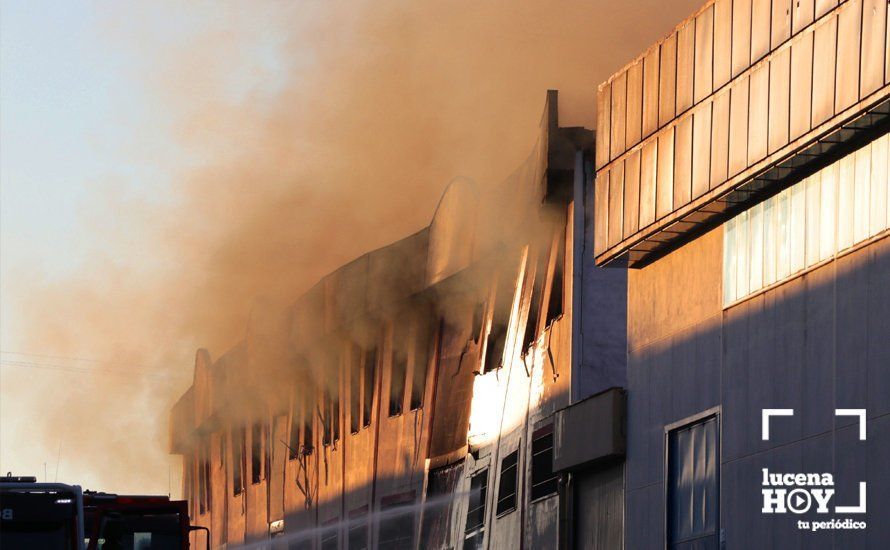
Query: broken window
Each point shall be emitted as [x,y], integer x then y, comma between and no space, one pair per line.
[256,452]
[544,480]
[202,502]
[421,363]
[294,439]
[478,316]
[399,372]
[267,450]
[355,389]
[239,436]
[370,376]
[476,504]
[507,484]
[555,304]
[326,418]
[534,306]
[204,473]
[308,403]
[500,320]
[335,413]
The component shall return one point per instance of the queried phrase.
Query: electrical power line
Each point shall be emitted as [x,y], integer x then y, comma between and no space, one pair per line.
[78,359]
[80,370]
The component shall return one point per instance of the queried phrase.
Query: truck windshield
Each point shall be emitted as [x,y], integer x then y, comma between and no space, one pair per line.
[122,531]
[36,534]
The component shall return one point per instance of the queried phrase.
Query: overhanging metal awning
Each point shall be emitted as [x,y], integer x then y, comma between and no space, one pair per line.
[760,182]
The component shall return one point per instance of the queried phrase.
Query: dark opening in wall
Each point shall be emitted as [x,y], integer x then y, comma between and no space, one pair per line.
[326,418]
[335,414]
[500,320]
[267,449]
[355,389]
[426,338]
[534,306]
[309,402]
[544,480]
[478,317]
[204,475]
[507,484]
[295,424]
[399,371]
[239,451]
[370,378]
[256,452]
[555,305]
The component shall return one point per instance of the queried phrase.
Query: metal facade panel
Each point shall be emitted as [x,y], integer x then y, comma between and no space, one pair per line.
[738,121]
[879,320]
[852,343]
[741,36]
[634,104]
[701,149]
[781,22]
[801,84]
[616,203]
[760,32]
[576,445]
[632,193]
[667,80]
[704,54]
[720,139]
[601,212]
[887,51]
[603,116]
[848,33]
[617,128]
[683,162]
[780,74]
[685,66]
[664,179]
[758,107]
[599,495]
[648,169]
[874,22]
[722,42]
[824,50]
[802,14]
[824,6]
[650,92]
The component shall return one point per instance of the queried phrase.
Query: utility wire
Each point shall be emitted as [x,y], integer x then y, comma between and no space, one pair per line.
[80,370]
[80,359]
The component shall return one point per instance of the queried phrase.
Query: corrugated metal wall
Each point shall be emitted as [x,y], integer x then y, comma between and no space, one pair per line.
[739,83]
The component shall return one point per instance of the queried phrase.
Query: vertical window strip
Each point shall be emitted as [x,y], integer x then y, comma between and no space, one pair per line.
[828,212]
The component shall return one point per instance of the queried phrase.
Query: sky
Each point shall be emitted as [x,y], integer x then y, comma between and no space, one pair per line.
[162,164]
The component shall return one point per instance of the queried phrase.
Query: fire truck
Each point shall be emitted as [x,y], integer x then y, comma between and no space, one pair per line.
[54,515]
[40,515]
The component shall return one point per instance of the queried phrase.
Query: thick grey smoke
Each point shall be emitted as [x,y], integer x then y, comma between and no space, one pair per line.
[313,132]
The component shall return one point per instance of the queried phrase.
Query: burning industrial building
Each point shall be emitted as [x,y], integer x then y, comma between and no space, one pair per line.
[381,406]
[585,358]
